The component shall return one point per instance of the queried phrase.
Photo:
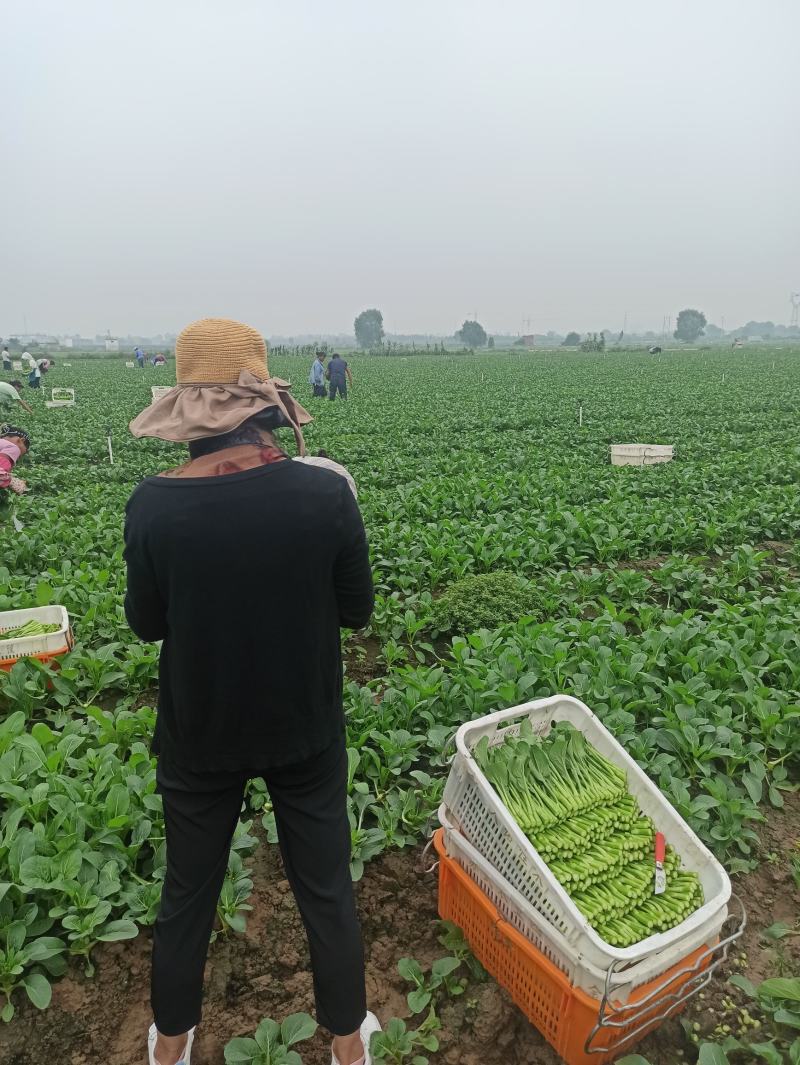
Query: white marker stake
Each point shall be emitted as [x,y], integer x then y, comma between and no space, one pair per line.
[110,452]
[723,377]
[580,415]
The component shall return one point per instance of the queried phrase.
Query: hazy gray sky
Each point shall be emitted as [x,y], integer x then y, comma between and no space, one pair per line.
[290,163]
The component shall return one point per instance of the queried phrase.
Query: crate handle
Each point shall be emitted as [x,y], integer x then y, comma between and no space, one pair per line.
[671,1002]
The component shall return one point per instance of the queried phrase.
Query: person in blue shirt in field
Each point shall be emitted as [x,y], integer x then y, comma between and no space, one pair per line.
[316,377]
[139,357]
[338,373]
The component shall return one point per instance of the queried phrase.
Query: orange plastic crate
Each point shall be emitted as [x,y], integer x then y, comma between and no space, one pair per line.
[566,1016]
[46,656]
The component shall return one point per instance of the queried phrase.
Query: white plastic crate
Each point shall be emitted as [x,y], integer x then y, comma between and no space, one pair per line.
[157,391]
[130,365]
[51,643]
[640,454]
[530,923]
[482,818]
[61,397]
[16,364]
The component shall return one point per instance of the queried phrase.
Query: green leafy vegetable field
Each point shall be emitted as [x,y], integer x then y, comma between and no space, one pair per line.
[512,561]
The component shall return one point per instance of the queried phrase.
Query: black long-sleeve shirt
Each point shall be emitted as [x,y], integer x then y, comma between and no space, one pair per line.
[247,578]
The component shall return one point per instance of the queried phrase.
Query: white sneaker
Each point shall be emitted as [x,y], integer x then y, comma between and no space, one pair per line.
[152,1035]
[371,1024]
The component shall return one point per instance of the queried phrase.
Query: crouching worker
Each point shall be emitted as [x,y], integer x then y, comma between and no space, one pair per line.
[240,560]
[14,443]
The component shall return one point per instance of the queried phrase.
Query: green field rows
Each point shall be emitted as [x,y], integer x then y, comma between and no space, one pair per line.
[666,598]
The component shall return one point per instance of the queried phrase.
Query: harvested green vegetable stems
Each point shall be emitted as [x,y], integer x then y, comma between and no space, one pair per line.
[30,628]
[574,806]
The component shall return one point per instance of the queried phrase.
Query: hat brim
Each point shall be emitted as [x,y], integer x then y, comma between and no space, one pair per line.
[197,411]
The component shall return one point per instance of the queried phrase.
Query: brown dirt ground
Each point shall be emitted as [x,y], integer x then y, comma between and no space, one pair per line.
[264,973]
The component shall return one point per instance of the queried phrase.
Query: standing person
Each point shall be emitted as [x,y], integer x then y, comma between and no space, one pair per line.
[336,372]
[237,697]
[7,364]
[316,377]
[139,354]
[9,395]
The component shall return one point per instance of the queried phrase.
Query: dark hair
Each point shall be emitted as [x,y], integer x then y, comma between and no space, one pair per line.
[249,432]
[336,355]
[322,353]
[322,454]
[14,430]
[16,384]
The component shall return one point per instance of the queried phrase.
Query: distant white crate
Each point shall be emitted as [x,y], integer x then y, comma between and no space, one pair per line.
[16,364]
[67,365]
[61,397]
[158,392]
[640,454]
[130,365]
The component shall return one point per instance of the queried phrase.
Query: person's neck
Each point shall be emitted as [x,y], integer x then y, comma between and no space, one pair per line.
[232,460]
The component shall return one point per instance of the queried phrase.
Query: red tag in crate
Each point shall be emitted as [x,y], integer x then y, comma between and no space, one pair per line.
[661,876]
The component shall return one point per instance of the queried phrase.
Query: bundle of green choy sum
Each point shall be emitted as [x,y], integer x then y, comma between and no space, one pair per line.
[574,806]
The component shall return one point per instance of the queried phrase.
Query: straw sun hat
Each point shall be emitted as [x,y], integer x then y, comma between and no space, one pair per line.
[223,379]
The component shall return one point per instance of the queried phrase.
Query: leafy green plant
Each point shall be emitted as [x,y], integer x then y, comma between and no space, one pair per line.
[25,951]
[271,1042]
[452,939]
[426,985]
[398,1044]
[483,601]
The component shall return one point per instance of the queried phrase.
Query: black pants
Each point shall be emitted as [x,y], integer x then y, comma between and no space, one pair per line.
[200,811]
[342,389]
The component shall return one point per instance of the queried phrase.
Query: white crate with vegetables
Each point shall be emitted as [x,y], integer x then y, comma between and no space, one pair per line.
[557,808]
[157,392]
[61,397]
[41,632]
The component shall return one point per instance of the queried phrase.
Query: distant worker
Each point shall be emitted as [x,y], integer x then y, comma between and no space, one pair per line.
[317,376]
[336,373]
[28,359]
[159,360]
[7,364]
[9,395]
[35,376]
[655,350]
[139,357]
